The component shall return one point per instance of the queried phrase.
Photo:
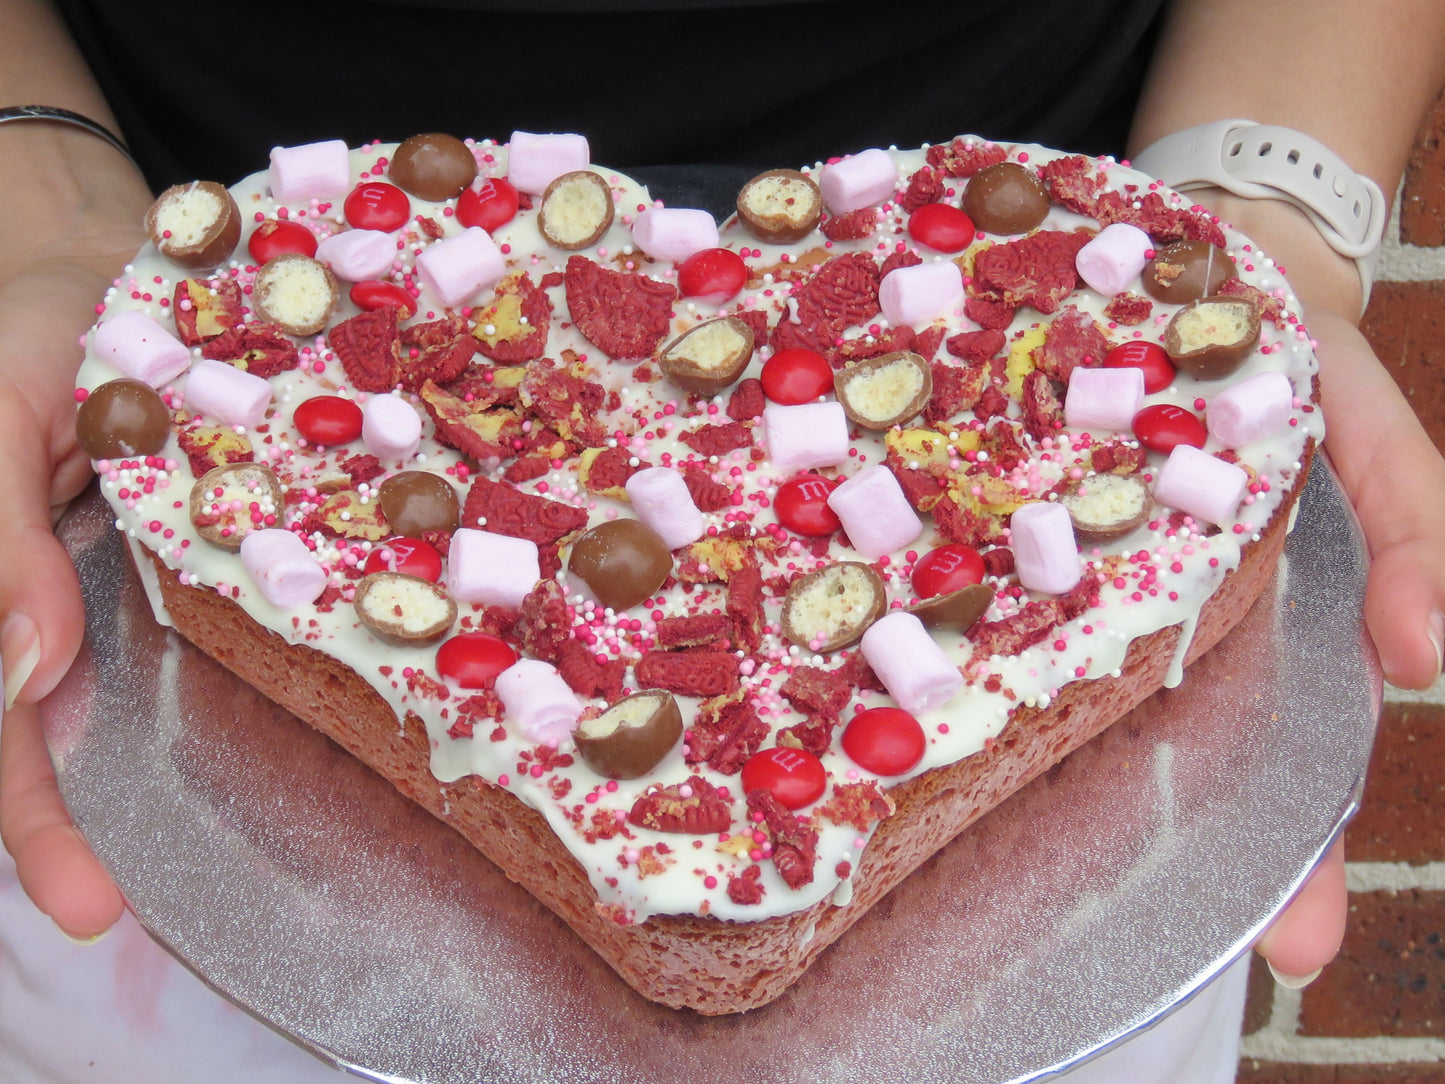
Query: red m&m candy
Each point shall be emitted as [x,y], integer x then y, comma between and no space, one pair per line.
[491,204]
[801,505]
[712,275]
[1137,354]
[278,237]
[796,375]
[410,556]
[474,659]
[374,294]
[884,741]
[328,420]
[1164,426]
[794,777]
[942,227]
[947,568]
[376,205]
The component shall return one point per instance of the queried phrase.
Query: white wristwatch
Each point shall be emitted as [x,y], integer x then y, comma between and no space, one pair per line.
[1265,161]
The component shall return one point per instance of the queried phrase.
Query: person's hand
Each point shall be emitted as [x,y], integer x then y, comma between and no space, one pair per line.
[48,294]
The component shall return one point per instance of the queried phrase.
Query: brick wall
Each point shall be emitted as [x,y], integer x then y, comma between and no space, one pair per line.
[1377,1015]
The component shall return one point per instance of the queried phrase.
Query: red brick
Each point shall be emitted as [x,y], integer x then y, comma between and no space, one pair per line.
[1406,781]
[1259,996]
[1403,324]
[1389,978]
[1422,204]
[1270,1072]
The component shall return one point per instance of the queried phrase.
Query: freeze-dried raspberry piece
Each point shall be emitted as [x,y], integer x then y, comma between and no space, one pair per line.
[853,226]
[927,341]
[1117,457]
[747,400]
[964,157]
[1036,270]
[1011,635]
[204,308]
[437,351]
[1001,442]
[622,313]
[757,321]
[816,693]
[689,673]
[695,630]
[259,349]
[895,260]
[542,625]
[857,805]
[795,838]
[956,388]
[998,561]
[842,293]
[586,676]
[606,472]
[925,186]
[481,707]
[987,313]
[1269,307]
[368,346]
[664,809]
[709,495]
[1072,183]
[813,736]
[1156,218]
[921,489]
[472,428]
[362,468]
[1072,341]
[499,508]
[566,402]
[976,345]
[208,446]
[513,327]
[745,607]
[746,888]
[1043,413]
[857,673]
[718,440]
[725,734]
[1129,309]
[959,524]
[875,346]
[527,468]
[992,403]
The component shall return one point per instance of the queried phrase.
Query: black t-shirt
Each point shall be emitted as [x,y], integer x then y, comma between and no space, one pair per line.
[205,90]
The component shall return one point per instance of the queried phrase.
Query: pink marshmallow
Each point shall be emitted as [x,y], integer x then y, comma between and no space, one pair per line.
[1103,400]
[1251,410]
[493,569]
[538,701]
[913,668]
[284,570]
[914,295]
[806,435]
[674,233]
[861,180]
[310,170]
[390,427]
[1046,554]
[141,348]
[358,255]
[534,161]
[1113,259]
[875,512]
[227,394]
[457,269]
[1195,482]
[662,501]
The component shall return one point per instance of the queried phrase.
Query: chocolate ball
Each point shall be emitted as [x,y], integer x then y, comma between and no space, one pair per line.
[1186,271]
[622,562]
[121,418]
[1006,198]
[416,501]
[433,166]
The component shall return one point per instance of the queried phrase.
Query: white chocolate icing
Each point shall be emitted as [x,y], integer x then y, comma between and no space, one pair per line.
[643,872]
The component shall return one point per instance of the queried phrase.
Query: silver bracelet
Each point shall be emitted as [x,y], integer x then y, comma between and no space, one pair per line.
[1269,162]
[54,115]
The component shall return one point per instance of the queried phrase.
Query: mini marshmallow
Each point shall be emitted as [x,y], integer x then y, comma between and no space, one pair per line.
[806,435]
[227,394]
[859,181]
[534,161]
[1103,400]
[310,170]
[358,255]
[285,572]
[1046,554]
[662,500]
[493,569]
[1200,484]
[538,701]
[457,269]
[390,427]
[141,348]
[1113,259]
[674,233]
[1251,410]
[913,668]
[914,295]
[875,512]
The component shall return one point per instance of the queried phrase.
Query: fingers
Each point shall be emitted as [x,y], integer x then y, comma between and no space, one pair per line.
[1307,935]
[55,867]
